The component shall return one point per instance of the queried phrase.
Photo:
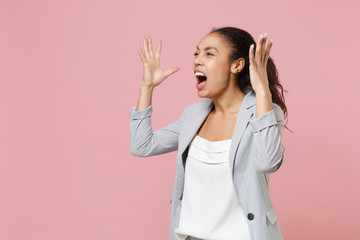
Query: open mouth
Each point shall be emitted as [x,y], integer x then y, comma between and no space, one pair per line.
[200,77]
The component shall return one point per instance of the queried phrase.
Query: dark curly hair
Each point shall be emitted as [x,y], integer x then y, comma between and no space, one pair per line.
[240,41]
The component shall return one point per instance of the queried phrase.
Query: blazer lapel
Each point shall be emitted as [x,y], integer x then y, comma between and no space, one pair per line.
[244,115]
[200,114]
[193,124]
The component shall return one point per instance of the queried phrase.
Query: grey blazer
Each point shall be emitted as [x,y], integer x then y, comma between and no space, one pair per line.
[255,152]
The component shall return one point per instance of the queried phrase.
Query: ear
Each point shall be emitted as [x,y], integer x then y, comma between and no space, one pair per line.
[237,65]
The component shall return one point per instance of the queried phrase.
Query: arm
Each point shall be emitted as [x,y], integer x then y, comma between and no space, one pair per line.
[267,131]
[269,119]
[145,142]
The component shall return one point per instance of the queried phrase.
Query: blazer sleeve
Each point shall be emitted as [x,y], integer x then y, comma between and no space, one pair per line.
[144,142]
[268,150]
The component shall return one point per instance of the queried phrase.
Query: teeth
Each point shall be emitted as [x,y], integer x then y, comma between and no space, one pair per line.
[199,74]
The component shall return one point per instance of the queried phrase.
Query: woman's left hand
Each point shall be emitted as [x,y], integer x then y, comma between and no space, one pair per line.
[258,73]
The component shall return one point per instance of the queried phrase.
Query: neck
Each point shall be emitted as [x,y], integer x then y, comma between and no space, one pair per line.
[229,102]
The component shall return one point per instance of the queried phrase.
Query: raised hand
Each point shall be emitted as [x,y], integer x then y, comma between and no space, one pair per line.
[153,75]
[258,73]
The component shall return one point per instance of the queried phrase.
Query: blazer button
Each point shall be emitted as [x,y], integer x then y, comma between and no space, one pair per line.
[250,216]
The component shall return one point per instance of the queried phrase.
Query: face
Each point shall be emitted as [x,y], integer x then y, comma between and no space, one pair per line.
[212,59]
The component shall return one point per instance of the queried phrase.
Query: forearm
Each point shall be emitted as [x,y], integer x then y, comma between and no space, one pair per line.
[268,128]
[263,102]
[144,142]
[145,97]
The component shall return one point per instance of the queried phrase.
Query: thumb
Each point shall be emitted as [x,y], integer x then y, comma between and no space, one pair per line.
[171,71]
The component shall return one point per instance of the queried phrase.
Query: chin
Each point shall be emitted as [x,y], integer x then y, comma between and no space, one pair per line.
[202,95]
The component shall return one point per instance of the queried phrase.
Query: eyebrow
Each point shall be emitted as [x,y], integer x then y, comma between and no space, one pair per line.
[207,48]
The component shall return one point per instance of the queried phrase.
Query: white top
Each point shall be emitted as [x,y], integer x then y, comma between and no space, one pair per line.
[210,209]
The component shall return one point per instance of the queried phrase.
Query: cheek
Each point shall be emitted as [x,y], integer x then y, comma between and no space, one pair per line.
[221,66]
[217,69]
[218,82]
[220,73]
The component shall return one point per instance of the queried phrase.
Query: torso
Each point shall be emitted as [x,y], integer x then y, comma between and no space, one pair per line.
[218,127]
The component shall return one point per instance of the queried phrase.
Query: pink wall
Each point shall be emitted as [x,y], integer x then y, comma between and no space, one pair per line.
[70,72]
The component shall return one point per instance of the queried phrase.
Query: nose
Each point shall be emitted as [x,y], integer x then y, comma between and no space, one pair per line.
[197,60]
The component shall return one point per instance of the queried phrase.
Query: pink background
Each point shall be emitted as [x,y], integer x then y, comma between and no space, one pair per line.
[70,72]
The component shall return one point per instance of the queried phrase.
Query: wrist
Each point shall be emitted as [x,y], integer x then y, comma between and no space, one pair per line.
[263,91]
[145,87]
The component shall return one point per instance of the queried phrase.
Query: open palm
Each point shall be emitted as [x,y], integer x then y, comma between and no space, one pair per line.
[258,64]
[153,75]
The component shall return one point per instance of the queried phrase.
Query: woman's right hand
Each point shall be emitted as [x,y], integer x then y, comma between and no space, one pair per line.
[153,75]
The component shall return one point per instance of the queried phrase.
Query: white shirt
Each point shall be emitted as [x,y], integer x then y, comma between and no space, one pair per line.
[210,209]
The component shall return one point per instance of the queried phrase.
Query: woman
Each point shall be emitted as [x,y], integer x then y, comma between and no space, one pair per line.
[228,143]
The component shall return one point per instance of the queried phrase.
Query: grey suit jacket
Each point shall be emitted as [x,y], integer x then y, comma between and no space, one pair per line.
[255,152]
